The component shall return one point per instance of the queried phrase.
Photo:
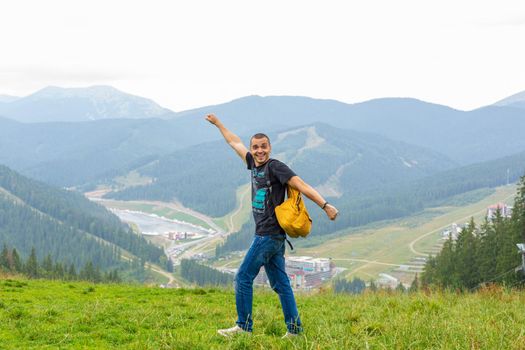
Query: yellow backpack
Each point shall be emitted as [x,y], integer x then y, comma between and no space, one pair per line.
[293,216]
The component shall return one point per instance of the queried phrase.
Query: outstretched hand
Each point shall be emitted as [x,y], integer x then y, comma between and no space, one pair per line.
[331,211]
[212,118]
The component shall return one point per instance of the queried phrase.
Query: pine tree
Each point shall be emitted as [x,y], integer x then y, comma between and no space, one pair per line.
[518,212]
[446,275]
[169,265]
[481,255]
[88,272]
[401,288]
[17,262]
[466,252]
[4,258]
[518,223]
[113,276]
[372,286]
[414,287]
[58,271]
[71,272]
[47,266]
[32,265]
[97,275]
[488,251]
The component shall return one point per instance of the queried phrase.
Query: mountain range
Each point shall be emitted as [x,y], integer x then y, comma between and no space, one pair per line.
[516,100]
[79,104]
[7,98]
[375,160]
[67,153]
[466,137]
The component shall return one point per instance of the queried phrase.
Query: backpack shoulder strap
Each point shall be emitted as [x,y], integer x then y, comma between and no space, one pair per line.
[269,184]
[267,175]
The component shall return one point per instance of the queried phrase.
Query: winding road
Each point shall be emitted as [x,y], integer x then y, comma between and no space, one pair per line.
[411,244]
[238,210]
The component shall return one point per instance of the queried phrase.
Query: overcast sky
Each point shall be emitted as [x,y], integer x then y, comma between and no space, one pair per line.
[186,54]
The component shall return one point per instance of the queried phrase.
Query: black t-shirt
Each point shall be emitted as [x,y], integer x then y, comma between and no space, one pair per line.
[264,199]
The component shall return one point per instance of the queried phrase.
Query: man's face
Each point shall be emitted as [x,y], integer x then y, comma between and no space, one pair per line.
[260,150]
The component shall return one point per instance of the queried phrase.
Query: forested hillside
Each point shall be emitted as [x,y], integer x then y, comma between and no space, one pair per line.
[68,154]
[483,253]
[74,154]
[206,176]
[408,197]
[367,177]
[398,199]
[237,241]
[376,160]
[64,224]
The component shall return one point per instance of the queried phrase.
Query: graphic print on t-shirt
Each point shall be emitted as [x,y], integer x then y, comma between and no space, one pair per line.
[260,189]
[260,198]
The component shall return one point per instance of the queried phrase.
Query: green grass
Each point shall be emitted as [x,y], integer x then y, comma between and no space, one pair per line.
[45,314]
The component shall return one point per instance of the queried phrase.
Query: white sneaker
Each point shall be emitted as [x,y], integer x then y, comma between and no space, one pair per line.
[229,332]
[289,335]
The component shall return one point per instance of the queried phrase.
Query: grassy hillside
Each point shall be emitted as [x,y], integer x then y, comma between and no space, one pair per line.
[43,314]
[384,246]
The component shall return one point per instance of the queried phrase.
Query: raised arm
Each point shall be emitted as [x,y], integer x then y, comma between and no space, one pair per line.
[233,140]
[310,192]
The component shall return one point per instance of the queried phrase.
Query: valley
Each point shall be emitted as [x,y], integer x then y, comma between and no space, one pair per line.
[394,247]
[400,171]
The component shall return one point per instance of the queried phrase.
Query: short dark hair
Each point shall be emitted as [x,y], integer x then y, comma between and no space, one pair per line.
[260,135]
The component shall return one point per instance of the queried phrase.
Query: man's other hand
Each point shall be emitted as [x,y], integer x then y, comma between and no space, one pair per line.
[212,119]
[331,211]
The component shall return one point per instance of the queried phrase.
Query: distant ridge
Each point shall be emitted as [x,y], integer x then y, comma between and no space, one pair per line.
[8,98]
[81,104]
[516,100]
[71,154]
[464,136]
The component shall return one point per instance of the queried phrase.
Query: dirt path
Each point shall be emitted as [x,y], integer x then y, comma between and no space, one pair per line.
[171,279]
[238,210]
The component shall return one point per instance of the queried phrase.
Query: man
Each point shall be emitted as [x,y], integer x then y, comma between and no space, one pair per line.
[269,180]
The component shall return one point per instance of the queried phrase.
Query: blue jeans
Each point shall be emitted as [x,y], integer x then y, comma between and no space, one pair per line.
[269,253]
